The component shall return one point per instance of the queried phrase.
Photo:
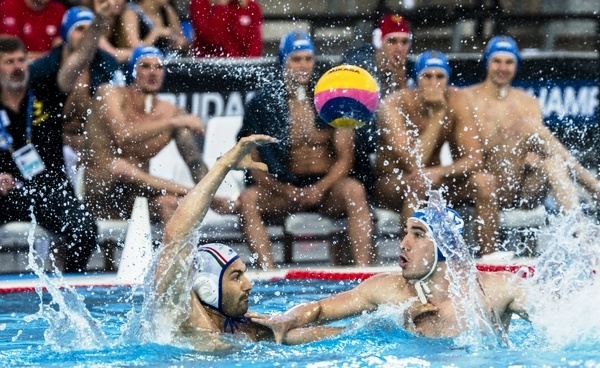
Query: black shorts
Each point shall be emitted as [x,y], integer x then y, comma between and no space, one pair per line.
[306,180]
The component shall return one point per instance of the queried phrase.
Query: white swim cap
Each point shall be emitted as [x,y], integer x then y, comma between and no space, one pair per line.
[210,263]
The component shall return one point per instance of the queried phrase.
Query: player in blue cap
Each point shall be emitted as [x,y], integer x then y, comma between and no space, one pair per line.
[512,132]
[310,169]
[293,42]
[129,126]
[414,125]
[424,290]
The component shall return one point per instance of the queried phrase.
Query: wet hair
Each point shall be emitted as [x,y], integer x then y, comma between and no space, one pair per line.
[11,44]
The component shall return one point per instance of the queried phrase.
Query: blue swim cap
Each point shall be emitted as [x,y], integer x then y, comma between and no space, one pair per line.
[431,59]
[443,224]
[73,17]
[137,54]
[292,42]
[501,44]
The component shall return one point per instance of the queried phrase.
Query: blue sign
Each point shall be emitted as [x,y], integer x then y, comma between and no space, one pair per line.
[566,102]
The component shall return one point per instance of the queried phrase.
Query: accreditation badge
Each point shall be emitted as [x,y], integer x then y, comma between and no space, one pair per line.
[28,161]
[4,144]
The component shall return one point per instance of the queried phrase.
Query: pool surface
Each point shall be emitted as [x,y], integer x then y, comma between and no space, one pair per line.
[28,338]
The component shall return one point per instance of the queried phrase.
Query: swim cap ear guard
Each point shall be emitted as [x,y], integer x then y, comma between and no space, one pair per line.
[441,224]
[501,44]
[391,23]
[207,289]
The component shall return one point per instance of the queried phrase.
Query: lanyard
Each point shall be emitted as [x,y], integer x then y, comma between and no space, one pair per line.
[4,122]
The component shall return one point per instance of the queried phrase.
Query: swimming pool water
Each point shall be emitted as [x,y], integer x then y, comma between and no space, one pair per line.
[374,340]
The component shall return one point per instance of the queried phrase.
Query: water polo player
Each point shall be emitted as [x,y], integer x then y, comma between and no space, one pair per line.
[433,237]
[201,292]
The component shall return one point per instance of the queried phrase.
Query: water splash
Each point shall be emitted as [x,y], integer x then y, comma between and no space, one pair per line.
[564,290]
[480,329]
[161,316]
[71,325]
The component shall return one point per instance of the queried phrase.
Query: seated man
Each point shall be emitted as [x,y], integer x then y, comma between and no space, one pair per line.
[431,249]
[32,103]
[97,67]
[130,125]
[218,298]
[523,161]
[309,168]
[414,123]
[386,59]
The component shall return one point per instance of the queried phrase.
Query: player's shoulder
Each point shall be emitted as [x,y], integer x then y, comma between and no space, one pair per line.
[400,97]
[391,279]
[110,89]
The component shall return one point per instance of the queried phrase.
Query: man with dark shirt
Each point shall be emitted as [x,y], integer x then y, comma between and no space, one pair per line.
[309,169]
[32,171]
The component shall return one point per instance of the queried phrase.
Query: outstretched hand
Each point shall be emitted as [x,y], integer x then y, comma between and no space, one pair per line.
[417,310]
[240,156]
[279,324]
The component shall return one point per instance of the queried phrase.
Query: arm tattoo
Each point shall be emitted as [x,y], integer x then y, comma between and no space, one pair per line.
[190,146]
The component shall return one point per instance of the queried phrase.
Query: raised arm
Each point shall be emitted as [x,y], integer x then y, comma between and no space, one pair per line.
[176,250]
[82,56]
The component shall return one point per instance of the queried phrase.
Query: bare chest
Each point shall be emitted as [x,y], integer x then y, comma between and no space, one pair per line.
[152,145]
[441,323]
[303,130]
[500,121]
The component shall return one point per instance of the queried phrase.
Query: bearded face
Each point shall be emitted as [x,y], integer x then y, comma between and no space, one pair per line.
[14,74]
